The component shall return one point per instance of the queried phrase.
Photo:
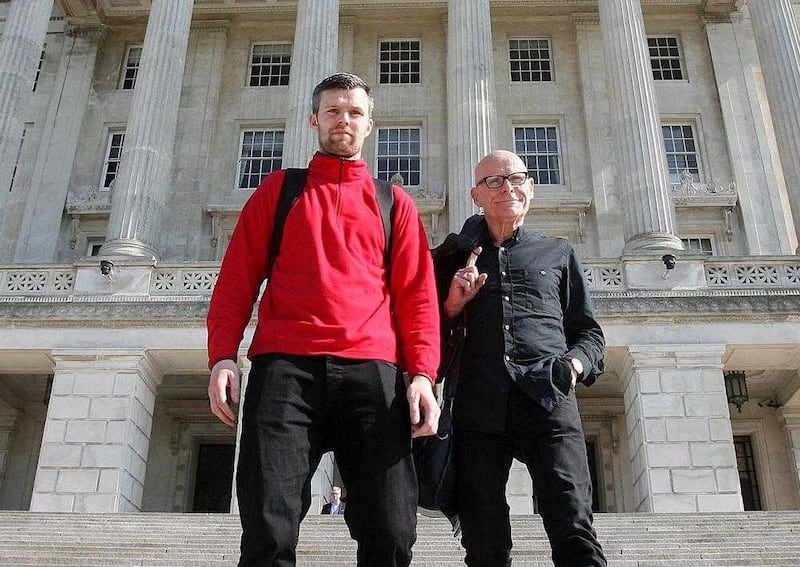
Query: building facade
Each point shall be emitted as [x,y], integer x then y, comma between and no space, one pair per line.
[133,131]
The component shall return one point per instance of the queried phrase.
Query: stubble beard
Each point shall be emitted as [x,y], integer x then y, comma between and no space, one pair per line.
[346,148]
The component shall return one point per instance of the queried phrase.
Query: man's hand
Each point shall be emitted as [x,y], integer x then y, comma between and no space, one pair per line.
[465,284]
[422,404]
[224,374]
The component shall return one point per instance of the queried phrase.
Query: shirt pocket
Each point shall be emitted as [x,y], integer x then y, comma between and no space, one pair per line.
[540,286]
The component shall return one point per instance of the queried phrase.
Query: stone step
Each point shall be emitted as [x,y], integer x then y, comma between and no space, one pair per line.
[640,540]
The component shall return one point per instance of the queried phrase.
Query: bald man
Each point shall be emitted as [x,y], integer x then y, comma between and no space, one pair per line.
[530,337]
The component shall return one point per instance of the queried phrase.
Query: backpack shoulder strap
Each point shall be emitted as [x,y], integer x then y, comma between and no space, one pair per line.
[293,183]
[384,194]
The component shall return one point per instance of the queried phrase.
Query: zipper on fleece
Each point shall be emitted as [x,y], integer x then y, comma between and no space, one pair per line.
[339,193]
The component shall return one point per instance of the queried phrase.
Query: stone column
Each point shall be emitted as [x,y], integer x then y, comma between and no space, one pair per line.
[144,179]
[315,55]
[597,114]
[41,221]
[778,42]
[679,430]
[759,184]
[197,120]
[471,102]
[97,433]
[648,221]
[347,42]
[20,50]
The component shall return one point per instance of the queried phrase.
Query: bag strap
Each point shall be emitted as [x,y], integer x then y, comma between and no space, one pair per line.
[384,194]
[293,183]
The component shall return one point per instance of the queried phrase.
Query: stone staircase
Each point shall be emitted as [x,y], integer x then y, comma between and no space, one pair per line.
[642,540]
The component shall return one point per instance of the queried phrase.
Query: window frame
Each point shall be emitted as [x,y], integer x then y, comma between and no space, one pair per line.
[560,155]
[401,126]
[111,132]
[239,157]
[123,76]
[251,65]
[672,123]
[18,159]
[418,61]
[550,60]
[39,68]
[700,237]
[680,58]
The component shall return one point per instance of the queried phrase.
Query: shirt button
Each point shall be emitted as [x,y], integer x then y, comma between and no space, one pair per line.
[505,297]
[502,249]
[507,327]
[503,274]
[542,272]
[508,358]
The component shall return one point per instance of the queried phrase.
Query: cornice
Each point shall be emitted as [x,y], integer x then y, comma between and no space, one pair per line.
[183,311]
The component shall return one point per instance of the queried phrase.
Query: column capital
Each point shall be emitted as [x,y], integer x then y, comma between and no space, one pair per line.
[586,19]
[692,355]
[93,30]
[788,417]
[210,26]
[114,360]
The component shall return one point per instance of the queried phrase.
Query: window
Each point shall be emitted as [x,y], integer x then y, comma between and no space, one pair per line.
[665,58]
[745,462]
[39,68]
[93,246]
[260,153]
[681,151]
[399,153]
[113,159]
[399,62]
[16,161]
[530,60]
[698,243]
[130,70]
[539,148]
[270,64]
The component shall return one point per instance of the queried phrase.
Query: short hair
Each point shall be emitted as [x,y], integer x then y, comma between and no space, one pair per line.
[343,81]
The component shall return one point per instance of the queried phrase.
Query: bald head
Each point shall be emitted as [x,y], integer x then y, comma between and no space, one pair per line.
[498,158]
[504,191]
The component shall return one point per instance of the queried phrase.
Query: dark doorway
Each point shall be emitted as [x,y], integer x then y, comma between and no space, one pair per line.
[746,464]
[214,478]
[590,454]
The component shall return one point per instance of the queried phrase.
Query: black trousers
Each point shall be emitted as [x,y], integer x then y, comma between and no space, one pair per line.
[296,408]
[553,448]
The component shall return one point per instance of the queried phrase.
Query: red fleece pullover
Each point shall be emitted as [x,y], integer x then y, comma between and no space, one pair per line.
[328,294]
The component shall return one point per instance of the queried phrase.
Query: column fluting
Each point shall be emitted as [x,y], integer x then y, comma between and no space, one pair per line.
[648,220]
[144,181]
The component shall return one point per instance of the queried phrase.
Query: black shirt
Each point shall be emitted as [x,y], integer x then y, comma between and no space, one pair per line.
[531,316]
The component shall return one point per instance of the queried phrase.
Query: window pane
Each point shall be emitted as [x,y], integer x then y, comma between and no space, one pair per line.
[406,70]
[270,64]
[665,58]
[261,153]
[112,160]
[539,148]
[530,60]
[399,153]
[680,149]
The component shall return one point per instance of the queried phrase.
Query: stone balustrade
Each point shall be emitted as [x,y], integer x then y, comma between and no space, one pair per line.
[603,275]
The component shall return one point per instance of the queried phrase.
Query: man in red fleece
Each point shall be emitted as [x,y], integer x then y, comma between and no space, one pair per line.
[334,328]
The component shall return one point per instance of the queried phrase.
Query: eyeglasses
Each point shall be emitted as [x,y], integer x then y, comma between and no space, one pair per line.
[497,181]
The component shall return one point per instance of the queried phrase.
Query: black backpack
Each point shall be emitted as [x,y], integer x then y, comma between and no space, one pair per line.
[293,184]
